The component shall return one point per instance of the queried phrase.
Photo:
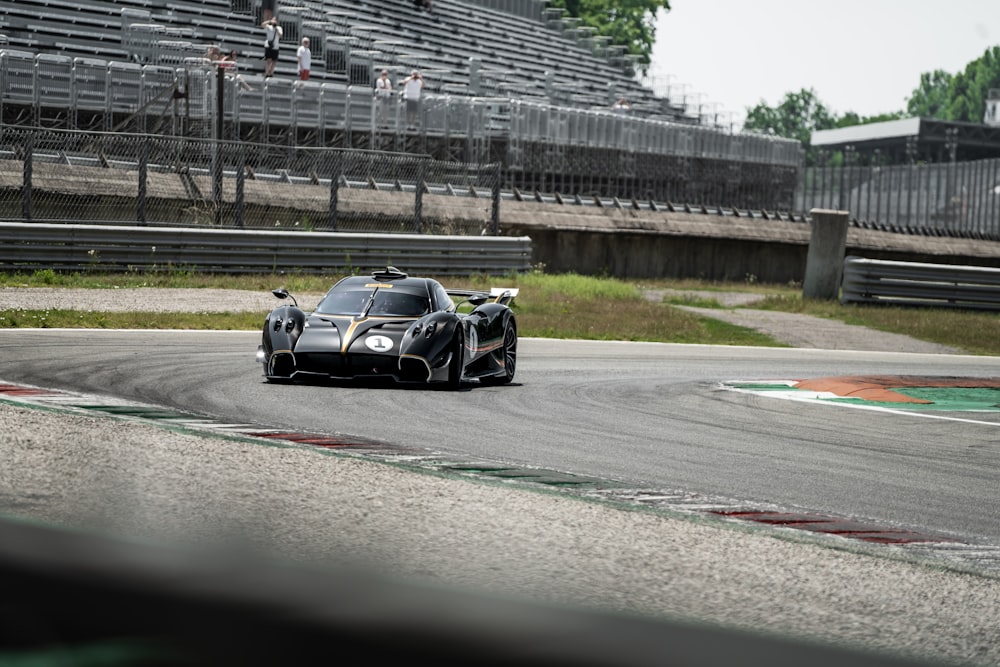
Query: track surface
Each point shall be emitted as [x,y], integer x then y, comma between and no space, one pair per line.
[652,415]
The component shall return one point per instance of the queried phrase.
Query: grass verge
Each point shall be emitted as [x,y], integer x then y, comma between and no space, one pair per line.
[551,306]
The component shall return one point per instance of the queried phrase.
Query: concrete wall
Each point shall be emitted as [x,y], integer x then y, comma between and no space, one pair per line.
[647,244]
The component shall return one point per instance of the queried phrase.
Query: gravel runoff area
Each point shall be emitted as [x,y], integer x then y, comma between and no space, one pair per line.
[141,480]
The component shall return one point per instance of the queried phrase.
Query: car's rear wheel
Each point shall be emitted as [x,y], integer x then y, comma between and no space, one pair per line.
[509,357]
[455,365]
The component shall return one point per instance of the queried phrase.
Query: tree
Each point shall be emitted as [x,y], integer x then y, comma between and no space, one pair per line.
[970,89]
[795,117]
[959,97]
[930,98]
[629,23]
[850,118]
[802,113]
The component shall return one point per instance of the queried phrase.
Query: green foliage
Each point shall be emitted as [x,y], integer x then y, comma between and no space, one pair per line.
[930,98]
[629,23]
[969,89]
[797,116]
[577,286]
[939,94]
[800,114]
[850,119]
[45,276]
[958,97]
[692,300]
[77,319]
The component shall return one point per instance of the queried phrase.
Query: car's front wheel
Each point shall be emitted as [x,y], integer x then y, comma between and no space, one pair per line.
[280,368]
[509,357]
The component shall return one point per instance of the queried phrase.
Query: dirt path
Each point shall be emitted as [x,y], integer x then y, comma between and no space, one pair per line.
[800,330]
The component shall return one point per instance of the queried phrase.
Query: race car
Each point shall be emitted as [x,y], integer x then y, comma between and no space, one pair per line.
[389,324]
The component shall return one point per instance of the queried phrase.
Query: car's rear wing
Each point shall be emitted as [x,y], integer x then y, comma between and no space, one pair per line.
[502,295]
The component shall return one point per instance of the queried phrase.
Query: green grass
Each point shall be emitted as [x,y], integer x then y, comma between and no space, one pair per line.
[76,319]
[552,306]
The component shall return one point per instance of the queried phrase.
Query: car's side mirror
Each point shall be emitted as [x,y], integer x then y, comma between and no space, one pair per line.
[282,293]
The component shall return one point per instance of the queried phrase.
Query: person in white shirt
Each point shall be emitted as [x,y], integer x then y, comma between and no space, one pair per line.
[412,86]
[272,36]
[383,95]
[305,59]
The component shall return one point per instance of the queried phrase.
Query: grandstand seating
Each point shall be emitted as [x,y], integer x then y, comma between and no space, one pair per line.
[470,49]
[507,80]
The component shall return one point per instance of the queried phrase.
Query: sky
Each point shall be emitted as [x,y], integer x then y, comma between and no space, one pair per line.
[864,56]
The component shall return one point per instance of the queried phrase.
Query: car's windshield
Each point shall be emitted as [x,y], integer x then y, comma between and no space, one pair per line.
[388,303]
[385,303]
[345,302]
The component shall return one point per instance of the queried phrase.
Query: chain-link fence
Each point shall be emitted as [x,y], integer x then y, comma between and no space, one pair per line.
[69,176]
[952,198]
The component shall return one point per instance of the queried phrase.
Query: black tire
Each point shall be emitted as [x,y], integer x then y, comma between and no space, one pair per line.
[509,357]
[455,365]
[279,372]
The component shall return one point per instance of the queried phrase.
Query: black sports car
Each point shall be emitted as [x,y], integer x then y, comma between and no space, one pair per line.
[394,325]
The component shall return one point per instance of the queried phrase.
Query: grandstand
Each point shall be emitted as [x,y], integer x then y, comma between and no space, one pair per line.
[508,81]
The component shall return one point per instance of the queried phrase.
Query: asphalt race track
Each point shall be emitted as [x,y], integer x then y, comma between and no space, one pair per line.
[651,416]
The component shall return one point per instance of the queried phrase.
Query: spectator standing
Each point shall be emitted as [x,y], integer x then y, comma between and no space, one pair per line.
[272,38]
[413,85]
[383,96]
[304,56]
[621,107]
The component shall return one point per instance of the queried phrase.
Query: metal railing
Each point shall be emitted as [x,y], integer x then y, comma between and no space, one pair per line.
[920,284]
[539,146]
[950,198]
[531,9]
[27,247]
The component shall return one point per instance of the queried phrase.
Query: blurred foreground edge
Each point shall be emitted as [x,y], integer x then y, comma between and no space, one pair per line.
[67,594]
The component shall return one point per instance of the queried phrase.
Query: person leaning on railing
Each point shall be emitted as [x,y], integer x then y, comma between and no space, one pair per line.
[228,63]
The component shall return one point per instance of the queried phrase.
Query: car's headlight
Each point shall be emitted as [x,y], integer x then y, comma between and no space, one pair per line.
[427,330]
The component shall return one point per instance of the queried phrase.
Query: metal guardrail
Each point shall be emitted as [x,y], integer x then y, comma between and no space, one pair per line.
[73,247]
[918,284]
